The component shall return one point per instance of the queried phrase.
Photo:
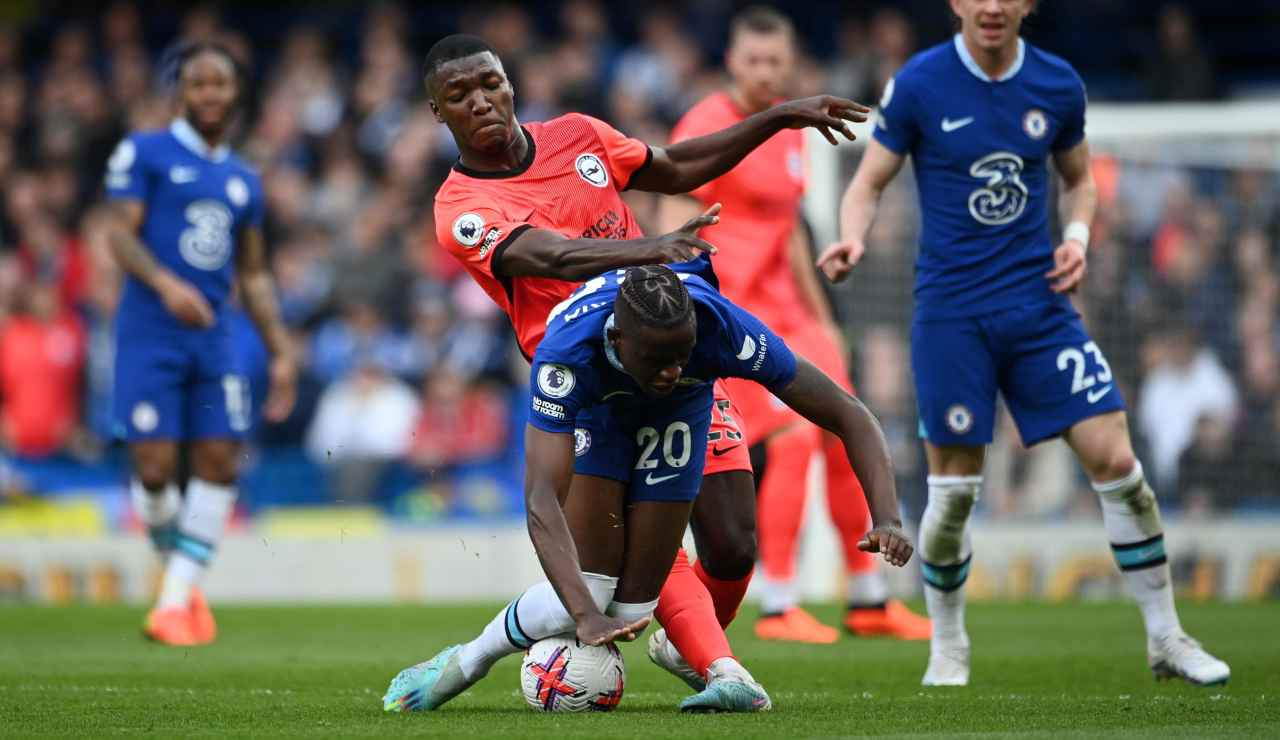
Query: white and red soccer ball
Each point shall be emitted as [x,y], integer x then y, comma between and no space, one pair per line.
[560,674]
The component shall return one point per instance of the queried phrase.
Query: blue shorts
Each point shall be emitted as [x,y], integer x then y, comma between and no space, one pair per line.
[1039,357]
[657,448]
[180,386]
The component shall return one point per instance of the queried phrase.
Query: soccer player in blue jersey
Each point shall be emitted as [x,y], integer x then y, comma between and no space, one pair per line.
[189,224]
[621,391]
[981,116]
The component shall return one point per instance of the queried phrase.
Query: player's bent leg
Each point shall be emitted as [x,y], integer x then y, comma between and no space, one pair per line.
[869,610]
[536,614]
[724,530]
[1131,516]
[157,503]
[945,555]
[780,510]
[201,524]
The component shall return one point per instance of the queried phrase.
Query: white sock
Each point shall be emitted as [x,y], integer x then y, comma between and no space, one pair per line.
[1132,519]
[158,511]
[867,589]
[945,552]
[632,612]
[201,525]
[776,596]
[534,615]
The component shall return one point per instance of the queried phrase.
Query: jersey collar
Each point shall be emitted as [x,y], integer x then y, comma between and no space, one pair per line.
[610,353]
[187,135]
[519,169]
[972,64]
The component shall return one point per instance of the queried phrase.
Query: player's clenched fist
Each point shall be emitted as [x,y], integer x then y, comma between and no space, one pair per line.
[684,244]
[823,112]
[598,629]
[890,540]
[185,302]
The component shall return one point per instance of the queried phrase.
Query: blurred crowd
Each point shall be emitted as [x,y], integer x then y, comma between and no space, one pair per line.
[406,361]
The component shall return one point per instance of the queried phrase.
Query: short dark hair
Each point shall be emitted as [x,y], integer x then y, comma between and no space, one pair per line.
[654,296]
[449,48]
[760,19]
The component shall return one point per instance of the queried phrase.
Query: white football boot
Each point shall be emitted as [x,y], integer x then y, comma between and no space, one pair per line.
[948,663]
[665,656]
[1176,655]
[730,688]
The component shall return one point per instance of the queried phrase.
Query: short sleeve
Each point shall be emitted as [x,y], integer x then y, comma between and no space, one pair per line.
[557,392]
[625,154]
[476,233]
[127,176]
[896,124]
[1072,132]
[753,351]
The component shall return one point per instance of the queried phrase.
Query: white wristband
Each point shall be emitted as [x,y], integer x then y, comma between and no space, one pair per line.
[1077,231]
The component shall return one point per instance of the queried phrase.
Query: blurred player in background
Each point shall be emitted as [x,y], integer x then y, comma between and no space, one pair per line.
[189,224]
[766,266]
[639,350]
[531,211]
[981,116]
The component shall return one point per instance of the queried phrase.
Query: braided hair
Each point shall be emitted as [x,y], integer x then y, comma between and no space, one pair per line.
[175,58]
[654,296]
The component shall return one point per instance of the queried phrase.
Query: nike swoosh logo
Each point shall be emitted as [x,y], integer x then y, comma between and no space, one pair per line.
[607,396]
[718,452]
[183,175]
[748,348]
[655,481]
[949,125]
[1093,396]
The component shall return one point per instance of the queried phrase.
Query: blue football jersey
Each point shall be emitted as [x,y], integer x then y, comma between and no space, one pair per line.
[574,367]
[197,201]
[980,149]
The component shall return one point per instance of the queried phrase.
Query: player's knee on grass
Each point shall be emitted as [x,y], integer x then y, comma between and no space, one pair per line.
[724,525]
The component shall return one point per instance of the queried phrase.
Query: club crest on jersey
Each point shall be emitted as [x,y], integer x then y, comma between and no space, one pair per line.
[959,418]
[468,229]
[591,169]
[1035,123]
[581,442]
[556,381]
[238,192]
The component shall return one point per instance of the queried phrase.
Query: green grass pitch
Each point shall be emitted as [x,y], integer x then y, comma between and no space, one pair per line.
[1039,670]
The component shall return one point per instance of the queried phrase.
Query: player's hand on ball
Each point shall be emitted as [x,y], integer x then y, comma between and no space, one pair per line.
[684,244]
[889,540]
[1069,267]
[825,113]
[184,301]
[283,389]
[601,630]
[839,258]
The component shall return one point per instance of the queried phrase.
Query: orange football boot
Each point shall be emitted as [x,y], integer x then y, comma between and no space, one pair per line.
[894,620]
[203,628]
[169,626]
[795,625]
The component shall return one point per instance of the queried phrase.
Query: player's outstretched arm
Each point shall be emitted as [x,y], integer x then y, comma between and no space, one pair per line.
[257,289]
[692,163]
[817,398]
[544,253]
[548,472]
[181,298]
[858,208]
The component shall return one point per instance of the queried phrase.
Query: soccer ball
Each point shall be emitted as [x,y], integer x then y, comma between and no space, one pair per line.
[560,674]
